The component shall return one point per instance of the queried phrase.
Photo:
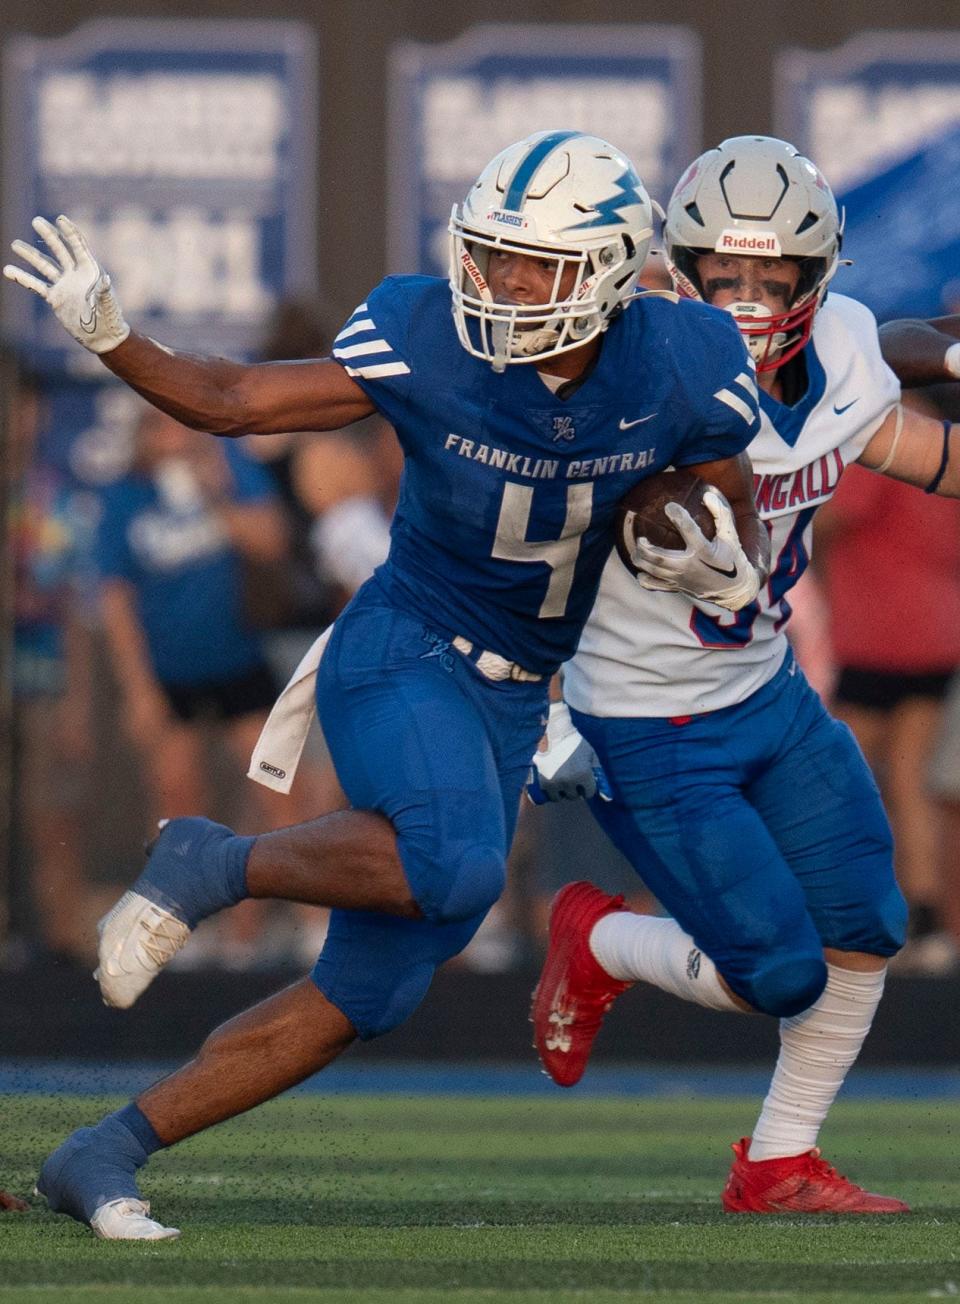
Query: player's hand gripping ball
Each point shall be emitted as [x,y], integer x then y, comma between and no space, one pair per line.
[641,514]
[706,562]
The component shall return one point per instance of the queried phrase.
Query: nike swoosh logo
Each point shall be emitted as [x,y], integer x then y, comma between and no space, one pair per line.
[730,574]
[840,410]
[89,324]
[625,425]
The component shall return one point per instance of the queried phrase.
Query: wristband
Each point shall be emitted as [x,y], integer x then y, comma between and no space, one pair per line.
[951,360]
[934,484]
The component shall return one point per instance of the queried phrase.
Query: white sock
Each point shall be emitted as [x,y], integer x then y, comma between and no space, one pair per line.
[817,1049]
[649,949]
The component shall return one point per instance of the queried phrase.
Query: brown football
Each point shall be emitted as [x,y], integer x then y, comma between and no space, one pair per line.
[640,513]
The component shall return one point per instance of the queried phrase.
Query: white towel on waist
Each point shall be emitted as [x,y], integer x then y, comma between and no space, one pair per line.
[282,739]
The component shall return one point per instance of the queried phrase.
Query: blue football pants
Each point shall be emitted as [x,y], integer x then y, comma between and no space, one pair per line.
[759,827]
[418,734]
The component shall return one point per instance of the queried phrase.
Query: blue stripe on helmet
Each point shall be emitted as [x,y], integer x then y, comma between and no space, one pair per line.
[517,189]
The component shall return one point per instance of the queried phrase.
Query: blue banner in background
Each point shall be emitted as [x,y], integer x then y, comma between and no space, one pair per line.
[187,151]
[454,106]
[881,117]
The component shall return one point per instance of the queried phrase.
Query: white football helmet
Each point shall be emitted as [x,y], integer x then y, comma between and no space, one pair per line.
[754,195]
[557,195]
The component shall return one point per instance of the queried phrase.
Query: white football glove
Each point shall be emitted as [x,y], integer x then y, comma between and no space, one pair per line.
[75,286]
[568,768]
[716,570]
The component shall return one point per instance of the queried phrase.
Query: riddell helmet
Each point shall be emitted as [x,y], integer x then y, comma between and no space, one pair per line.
[754,195]
[557,195]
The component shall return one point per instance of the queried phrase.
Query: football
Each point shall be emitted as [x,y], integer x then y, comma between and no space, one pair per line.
[640,513]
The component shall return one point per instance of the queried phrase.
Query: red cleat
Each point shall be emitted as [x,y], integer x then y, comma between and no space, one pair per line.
[574,992]
[797,1184]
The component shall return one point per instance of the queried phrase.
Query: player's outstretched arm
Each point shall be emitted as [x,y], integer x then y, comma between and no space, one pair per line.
[226,398]
[917,449]
[922,352]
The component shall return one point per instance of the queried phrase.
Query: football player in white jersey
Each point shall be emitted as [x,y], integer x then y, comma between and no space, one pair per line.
[746,808]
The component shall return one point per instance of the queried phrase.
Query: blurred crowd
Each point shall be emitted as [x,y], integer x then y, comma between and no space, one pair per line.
[159,612]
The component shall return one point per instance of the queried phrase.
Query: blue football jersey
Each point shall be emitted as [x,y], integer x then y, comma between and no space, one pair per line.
[508,494]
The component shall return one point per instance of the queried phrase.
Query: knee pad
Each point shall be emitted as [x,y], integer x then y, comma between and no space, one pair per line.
[467,888]
[376,969]
[893,921]
[888,929]
[786,986]
[877,927]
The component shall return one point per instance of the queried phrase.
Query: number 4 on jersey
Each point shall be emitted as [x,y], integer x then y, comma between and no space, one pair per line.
[511,542]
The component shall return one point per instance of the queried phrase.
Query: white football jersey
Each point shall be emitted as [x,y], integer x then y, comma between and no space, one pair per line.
[663,654]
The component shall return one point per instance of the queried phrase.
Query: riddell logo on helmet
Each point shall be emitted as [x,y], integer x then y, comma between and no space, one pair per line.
[744,242]
[473,271]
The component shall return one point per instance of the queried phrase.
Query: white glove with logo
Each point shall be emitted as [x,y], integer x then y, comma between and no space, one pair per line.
[716,570]
[568,768]
[76,286]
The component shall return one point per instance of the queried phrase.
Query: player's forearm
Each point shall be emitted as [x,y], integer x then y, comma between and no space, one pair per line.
[203,393]
[921,352]
[233,398]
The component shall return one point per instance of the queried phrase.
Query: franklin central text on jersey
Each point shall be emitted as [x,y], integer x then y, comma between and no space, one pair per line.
[509,490]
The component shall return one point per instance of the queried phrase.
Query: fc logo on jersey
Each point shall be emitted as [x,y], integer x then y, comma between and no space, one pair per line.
[563,430]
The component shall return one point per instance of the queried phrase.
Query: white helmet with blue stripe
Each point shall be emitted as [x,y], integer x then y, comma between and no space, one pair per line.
[557,195]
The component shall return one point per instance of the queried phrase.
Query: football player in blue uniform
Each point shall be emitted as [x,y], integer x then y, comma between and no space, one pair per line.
[749,812]
[524,413]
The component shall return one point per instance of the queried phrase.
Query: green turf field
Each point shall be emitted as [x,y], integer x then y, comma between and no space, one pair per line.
[356,1200]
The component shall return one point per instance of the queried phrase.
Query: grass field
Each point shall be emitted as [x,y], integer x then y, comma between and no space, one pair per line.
[458,1200]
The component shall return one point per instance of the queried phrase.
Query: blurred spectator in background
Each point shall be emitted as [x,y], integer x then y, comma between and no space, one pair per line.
[174,537]
[337,492]
[348,482]
[50,525]
[293,611]
[891,564]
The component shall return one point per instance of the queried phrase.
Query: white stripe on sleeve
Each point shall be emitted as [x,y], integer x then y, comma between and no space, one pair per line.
[378,369]
[742,408]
